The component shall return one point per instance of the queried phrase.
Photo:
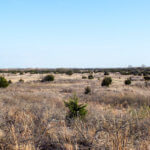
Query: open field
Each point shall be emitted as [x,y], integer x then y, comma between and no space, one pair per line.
[33,114]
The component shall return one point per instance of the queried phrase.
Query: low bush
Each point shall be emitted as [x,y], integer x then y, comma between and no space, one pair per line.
[90,76]
[69,72]
[146,78]
[75,109]
[21,73]
[84,77]
[106,81]
[127,82]
[21,80]
[3,82]
[106,73]
[10,82]
[48,78]
[87,90]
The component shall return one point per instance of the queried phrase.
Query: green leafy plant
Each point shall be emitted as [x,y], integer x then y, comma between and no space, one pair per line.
[3,82]
[127,82]
[76,110]
[106,81]
[87,90]
[48,78]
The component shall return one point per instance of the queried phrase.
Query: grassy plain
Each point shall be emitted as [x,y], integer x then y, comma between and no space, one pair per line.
[33,114]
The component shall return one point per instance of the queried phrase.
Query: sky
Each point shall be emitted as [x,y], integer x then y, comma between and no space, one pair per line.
[74,33]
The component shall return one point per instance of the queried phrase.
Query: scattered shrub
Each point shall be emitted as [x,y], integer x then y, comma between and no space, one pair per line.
[21,73]
[48,78]
[10,82]
[127,82]
[66,90]
[106,81]
[90,76]
[21,80]
[3,82]
[87,90]
[84,77]
[69,72]
[145,73]
[139,74]
[75,109]
[106,73]
[146,78]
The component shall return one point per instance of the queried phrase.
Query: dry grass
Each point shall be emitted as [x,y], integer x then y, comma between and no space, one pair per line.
[33,114]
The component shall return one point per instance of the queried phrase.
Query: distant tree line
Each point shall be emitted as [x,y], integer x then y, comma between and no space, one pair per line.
[123,71]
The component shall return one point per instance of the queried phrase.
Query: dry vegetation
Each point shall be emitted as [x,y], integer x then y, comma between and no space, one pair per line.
[33,114]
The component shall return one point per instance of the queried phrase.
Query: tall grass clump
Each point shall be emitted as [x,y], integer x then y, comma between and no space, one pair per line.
[3,82]
[48,78]
[76,110]
[106,81]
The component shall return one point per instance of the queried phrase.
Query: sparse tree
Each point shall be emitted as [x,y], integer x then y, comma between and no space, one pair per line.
[75,109]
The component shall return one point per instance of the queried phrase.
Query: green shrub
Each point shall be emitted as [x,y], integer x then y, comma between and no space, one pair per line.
[75,109]
[48,78]
[145,73]
[106,81]
[21,80]
[127,82]
[106,73]
[87,90]
[84,77]
[90,76]
[3,82]
[146,78]
[21,73]
[69,72]
[10,82]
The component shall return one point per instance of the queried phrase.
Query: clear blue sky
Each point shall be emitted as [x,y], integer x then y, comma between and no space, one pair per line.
[74,33]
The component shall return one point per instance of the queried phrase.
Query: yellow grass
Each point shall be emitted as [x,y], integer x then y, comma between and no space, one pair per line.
[33,114]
